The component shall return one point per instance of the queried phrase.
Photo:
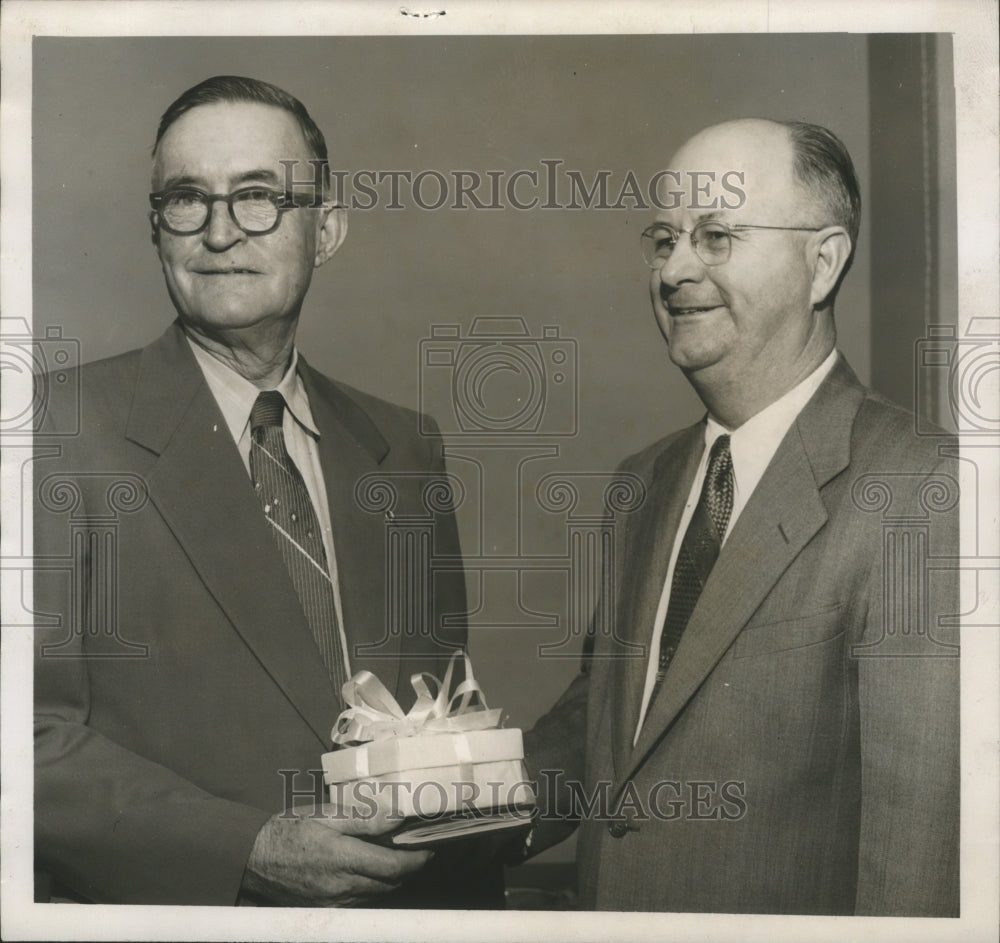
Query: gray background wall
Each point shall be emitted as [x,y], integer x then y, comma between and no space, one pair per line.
[451,103]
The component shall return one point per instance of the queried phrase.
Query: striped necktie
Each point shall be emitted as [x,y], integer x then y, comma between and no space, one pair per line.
[295,527]
[699,550]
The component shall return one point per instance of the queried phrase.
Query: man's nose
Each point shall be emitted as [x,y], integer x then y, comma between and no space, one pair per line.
[683,264]
[221,232]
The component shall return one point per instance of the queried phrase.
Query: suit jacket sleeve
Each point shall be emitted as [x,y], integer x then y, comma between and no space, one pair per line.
[110,823]
[554,756]
[910,739]
[119,827]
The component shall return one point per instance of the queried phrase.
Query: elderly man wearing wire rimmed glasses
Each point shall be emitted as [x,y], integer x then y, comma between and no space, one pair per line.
[773,722]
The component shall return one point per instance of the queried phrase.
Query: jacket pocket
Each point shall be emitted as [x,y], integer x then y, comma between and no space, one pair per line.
[789,634]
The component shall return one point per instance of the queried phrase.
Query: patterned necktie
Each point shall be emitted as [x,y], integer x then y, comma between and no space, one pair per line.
[699,550]
[295,527]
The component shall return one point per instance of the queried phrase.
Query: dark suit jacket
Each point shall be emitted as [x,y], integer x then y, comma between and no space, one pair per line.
[161,738]
[802,755]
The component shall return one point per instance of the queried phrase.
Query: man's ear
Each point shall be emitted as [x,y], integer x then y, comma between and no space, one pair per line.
[332,231]
[155,234]
[832,248]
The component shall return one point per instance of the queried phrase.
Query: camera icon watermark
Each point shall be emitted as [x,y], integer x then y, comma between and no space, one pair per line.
[499,380]
[957,378]
[31,367]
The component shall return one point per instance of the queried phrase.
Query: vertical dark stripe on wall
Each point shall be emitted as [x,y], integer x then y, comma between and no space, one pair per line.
[903,209]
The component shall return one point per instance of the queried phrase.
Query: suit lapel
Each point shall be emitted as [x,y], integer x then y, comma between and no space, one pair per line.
[350,448]
[783,514]
[201,488]
[646,557]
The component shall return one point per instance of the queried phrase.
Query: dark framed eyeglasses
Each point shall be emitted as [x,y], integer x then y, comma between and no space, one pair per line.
[711,240]
[185,211]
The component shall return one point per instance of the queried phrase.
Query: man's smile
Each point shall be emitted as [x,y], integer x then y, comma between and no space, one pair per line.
[678,311]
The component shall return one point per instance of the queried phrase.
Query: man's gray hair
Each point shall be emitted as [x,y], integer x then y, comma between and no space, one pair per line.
[823,165]
[236,88]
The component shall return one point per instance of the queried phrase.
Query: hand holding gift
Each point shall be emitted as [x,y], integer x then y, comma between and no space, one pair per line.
[323,858]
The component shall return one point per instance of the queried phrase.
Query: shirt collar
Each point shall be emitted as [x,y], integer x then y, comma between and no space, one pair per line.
[754,443]
[236,395]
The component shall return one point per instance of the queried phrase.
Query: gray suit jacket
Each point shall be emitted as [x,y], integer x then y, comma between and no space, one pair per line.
[802,755]
[162,746]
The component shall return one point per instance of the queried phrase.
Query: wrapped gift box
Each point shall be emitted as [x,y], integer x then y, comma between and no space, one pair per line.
[434,774]
[448,755]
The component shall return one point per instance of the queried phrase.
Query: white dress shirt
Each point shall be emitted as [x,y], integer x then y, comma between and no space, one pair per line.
[752,446]
[235,396]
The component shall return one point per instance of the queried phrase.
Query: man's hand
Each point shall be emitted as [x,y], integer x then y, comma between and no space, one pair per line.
[302,860]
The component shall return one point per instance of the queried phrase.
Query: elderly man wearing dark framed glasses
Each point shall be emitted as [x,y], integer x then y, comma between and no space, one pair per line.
[773,724]
[251,580]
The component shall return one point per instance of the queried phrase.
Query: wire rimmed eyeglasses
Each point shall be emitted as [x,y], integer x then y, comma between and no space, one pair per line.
[711,240]
[185,211]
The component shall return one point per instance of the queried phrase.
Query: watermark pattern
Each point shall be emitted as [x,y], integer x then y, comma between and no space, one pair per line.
[46,361]
[31,370]
[664,801]
[964,372]
[92,564]
[548,186]
[695,800]
[512,395]
[907,561]
[508,397]
[499,380]
[957,381]
[411,560]
[587,565]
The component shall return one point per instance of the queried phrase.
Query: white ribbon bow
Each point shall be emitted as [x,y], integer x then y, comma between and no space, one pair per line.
[374,714]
